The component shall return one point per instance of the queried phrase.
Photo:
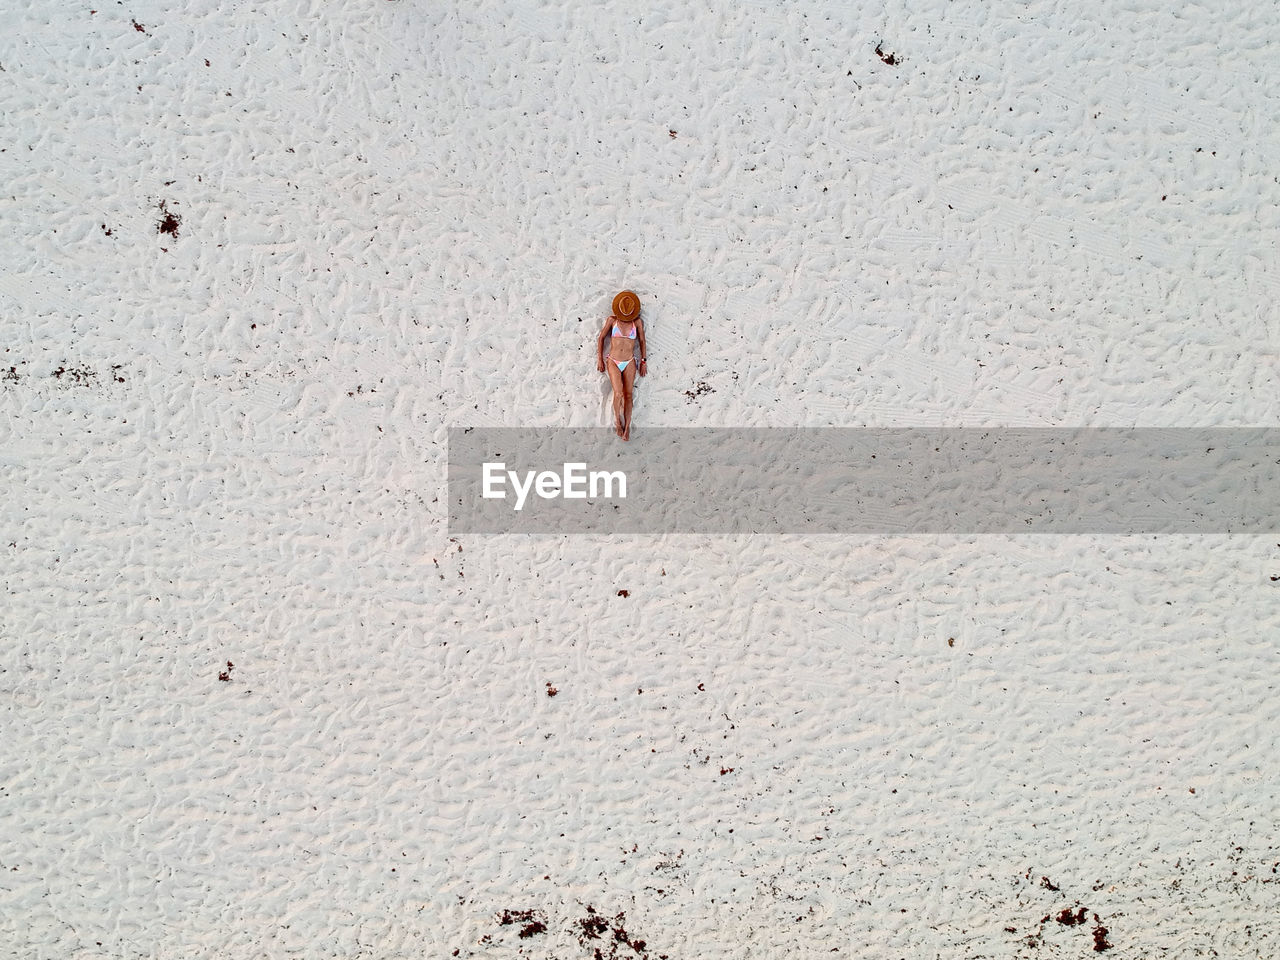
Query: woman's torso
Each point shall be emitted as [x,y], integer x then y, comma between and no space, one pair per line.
[622,340]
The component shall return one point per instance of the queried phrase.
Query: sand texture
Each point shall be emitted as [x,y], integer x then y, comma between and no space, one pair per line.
[255,701]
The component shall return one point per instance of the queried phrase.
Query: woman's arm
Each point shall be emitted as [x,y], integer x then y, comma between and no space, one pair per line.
[604,332]
[644,351]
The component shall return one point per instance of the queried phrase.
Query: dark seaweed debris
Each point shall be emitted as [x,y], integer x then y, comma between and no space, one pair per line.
[889,58]
[170,222]
[606,936]
[80,376]
[698,391]
[1100,941]
[532,922]
[1071,919]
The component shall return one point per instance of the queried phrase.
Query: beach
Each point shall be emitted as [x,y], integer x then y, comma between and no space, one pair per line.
[259,700]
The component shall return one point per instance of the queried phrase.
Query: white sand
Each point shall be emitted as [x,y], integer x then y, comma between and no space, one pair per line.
[1046,214]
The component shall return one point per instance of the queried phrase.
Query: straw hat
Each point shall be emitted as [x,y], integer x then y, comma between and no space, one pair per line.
[626,306]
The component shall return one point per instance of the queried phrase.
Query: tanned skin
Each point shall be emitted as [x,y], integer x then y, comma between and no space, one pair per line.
[622,349]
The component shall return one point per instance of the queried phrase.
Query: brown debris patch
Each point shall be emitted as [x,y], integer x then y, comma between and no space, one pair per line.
[79,376]
[531,922]
[698,391]
[889,58]
[1070,919]
[1100,941]
[606,937]
[169,222]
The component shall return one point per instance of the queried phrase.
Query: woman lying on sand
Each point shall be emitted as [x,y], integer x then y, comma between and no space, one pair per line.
[622,361]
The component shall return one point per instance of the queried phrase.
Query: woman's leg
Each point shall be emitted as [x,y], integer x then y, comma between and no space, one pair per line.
[628,390]
[615,377]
